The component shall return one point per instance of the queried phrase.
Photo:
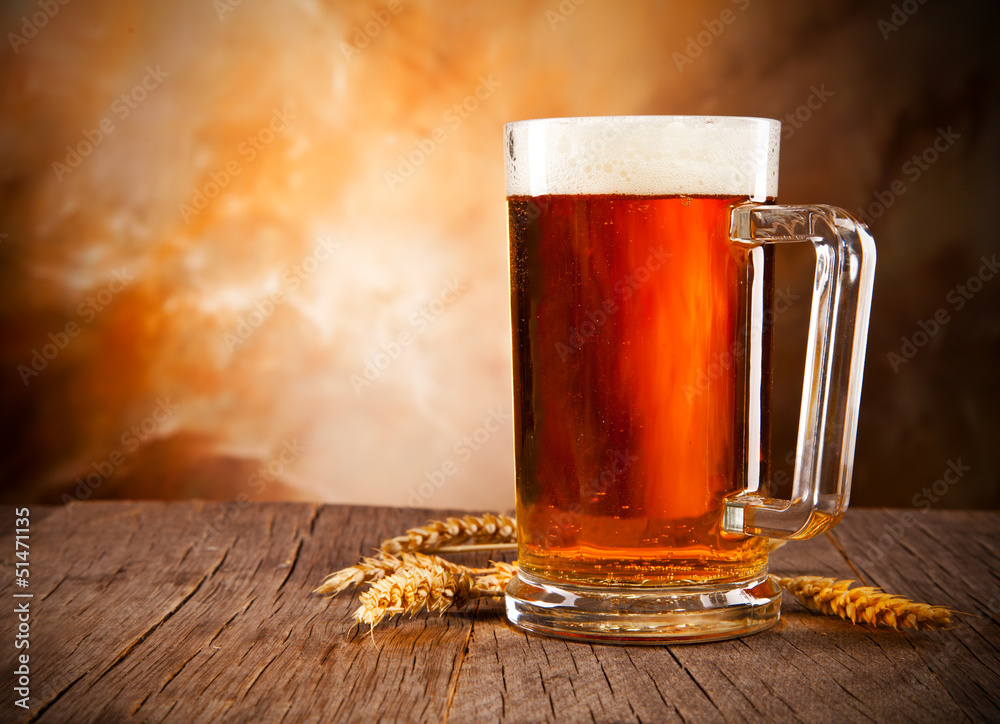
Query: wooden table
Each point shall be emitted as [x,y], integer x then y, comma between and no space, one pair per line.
[195,612]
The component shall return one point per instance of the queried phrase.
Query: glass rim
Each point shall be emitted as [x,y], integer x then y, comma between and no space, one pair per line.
[650,119]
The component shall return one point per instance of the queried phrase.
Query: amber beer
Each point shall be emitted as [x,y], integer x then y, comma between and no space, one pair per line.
[642,286]
[629,365]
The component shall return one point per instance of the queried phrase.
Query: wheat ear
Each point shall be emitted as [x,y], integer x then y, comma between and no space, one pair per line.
[865,604]
[409,590]
[491,528]
[439,588]
[375,569]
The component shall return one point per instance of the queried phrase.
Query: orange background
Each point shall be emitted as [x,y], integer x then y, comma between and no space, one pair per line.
[288,191]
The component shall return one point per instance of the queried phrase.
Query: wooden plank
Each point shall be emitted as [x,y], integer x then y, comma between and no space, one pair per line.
[183,612]
[136,620]
[808,665]
[949,558]
[84,565]
[811,664]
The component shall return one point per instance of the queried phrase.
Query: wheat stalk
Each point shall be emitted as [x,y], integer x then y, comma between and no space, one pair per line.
[491,528]
[865,604]
[477,547]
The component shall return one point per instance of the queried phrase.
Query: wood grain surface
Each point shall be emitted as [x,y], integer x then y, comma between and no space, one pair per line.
[190,612]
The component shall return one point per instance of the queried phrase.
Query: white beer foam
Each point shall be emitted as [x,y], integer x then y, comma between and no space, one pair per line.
[644,156]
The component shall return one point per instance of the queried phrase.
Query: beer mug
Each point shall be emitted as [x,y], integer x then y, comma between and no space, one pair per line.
[642,296]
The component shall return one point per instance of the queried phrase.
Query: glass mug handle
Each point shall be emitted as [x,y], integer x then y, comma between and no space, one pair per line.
[835,358]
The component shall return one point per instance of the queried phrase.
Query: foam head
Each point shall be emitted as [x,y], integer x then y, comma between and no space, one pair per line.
[644,156]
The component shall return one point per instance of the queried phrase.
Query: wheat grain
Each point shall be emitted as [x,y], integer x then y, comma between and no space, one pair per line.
[369,569]
[493,583]
[865,604]
[488,528]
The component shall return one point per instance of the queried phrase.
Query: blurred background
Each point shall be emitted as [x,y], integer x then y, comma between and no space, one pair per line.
[258,250]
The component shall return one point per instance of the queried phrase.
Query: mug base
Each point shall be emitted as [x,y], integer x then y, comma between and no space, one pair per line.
[639,615]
